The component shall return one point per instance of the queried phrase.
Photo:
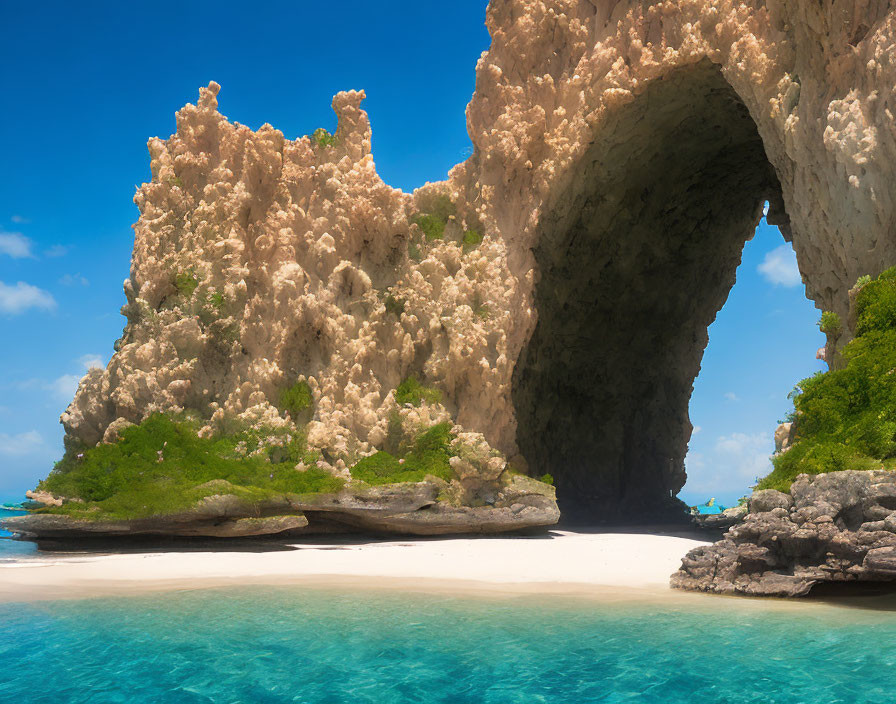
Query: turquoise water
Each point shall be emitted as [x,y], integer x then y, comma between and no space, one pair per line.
[289,644]
[13,549]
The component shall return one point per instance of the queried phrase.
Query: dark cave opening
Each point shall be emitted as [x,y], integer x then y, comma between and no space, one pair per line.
[634,262]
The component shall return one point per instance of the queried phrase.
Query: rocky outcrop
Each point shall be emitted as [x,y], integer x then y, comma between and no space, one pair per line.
[557,287]
[410,509]
[836,527]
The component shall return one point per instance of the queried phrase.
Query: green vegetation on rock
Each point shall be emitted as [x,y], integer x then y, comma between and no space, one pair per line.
[830,324]
[217,300]
[433,228]
[471,239]
[322,138]
[186,282]
[413,392]
[298,401]
[394,305]
[429,455]
[433,221]
[159,467]
[846,418]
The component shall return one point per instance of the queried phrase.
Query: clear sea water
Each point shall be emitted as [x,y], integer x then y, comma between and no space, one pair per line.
[291,644]
[13,549]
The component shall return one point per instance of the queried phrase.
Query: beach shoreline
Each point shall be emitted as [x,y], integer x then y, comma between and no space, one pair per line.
[608,565]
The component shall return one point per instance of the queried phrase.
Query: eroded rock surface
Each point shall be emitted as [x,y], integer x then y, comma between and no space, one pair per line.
[621,155]
[409,508]
[836,527]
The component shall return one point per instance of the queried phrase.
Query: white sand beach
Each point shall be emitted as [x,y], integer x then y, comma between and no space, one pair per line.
[561,561]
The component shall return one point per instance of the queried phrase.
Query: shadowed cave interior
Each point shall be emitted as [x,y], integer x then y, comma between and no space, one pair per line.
[635,260]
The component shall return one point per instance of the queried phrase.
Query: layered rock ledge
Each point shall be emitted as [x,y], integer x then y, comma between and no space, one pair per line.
[409,509]
[836,527]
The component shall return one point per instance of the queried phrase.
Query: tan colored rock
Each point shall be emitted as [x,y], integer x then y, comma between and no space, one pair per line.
[622,153]
[43,497]
[783,437]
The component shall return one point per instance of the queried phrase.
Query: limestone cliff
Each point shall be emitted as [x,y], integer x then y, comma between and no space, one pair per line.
[558,286]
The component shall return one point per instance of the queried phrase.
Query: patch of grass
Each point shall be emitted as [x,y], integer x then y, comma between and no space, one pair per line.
[433,221]
[217,301]
[297,400]
[547,479]
[413,392]
[323,139]
[158,467]
[429,455]
[432,226]
[471,239]
[394,305]
[185,282]
[846,418]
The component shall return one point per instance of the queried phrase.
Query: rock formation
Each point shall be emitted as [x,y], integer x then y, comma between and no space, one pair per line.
[409,508]
[558,286]
[835,527]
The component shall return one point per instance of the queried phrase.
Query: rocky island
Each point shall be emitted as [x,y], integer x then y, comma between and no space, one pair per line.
[308,349]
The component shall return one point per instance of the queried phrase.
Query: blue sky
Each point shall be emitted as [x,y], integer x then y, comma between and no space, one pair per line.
[86,85]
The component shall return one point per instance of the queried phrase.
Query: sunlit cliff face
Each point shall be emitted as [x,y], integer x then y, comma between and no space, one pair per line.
[621,154]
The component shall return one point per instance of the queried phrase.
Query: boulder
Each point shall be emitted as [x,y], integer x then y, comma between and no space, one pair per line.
[768,500]
[835,527]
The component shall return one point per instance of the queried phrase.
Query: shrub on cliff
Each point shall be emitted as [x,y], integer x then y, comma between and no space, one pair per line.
[430,454]
[159,466]
[433,221]
[186,282]
[413,392]
[846,418]
[471,239]
[298,401]
[323,139]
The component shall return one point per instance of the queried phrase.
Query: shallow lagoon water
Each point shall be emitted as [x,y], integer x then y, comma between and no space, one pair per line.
[14,549]
[292,644]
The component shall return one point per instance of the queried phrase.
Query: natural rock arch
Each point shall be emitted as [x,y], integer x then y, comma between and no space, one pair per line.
[783,101]
[634,262]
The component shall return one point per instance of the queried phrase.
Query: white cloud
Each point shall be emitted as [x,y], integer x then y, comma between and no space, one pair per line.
[779,267]
[731,396]
[765,209]
[57,250]
[74,280]
[747,455]
[20,219]
[65,386]
[15,245]
[696,430]
[19,298]
[737,443]
[21,444]
[92,361]
[733,463]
